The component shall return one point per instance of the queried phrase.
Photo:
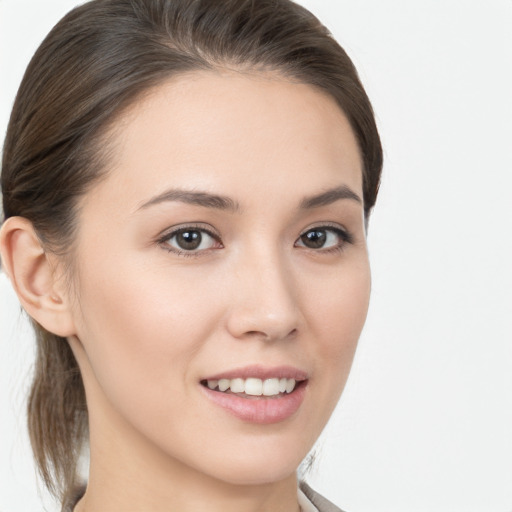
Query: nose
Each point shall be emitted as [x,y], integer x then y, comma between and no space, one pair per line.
[264,301]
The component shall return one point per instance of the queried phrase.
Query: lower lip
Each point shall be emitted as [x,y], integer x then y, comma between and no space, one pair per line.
[262,410]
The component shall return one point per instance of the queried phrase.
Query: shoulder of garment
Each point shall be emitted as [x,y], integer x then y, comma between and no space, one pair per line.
[321,503]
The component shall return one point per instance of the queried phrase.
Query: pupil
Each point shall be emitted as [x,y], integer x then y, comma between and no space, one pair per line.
[189,239]
[314,239]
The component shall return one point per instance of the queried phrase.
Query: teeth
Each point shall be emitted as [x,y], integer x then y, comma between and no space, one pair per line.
[271,387]
[237,386]
[224,384]
[253,386]
[290,385]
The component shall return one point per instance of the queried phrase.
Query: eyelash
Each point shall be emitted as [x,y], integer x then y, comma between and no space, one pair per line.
[163,241]
[345,237]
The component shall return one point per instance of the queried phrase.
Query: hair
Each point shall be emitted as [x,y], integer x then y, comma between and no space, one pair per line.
[96,62]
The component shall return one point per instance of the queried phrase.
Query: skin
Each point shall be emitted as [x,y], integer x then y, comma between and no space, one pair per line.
[148,324]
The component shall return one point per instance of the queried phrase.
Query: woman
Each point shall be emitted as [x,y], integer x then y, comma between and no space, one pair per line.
[186,190]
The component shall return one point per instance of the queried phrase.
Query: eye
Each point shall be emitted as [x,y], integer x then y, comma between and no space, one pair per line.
[191,240]
[324,237]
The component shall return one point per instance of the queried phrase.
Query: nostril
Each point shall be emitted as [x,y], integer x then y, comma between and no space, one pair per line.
[270,336]
[268,322]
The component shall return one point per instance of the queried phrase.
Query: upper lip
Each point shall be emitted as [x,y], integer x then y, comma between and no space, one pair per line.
[261,372]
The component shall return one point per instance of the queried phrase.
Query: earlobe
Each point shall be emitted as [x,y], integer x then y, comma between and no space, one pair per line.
[34,278]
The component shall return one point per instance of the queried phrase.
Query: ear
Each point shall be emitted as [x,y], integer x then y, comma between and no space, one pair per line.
[33,274]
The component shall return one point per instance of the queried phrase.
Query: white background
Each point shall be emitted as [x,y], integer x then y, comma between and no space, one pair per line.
[425,423]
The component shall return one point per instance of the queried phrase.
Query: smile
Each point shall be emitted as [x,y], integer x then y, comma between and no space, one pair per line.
[256,394]
[253,387]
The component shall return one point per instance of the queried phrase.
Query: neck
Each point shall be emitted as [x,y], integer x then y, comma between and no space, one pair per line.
[136,489]
[194,497]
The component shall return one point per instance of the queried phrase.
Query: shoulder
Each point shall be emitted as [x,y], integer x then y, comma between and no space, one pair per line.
[321,503]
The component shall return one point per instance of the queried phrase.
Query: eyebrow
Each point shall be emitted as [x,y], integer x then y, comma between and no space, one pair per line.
[219,202]
[328,197]
[203,199]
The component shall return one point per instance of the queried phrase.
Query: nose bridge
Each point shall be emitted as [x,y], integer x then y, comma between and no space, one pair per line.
[264,300]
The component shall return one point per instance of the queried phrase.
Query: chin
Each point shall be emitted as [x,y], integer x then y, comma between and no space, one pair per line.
[252,474]
[261,464]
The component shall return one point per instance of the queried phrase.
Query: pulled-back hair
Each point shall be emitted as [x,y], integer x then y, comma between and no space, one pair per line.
[98,60]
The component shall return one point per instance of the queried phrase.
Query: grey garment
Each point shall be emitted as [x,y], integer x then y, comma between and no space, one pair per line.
[322,504]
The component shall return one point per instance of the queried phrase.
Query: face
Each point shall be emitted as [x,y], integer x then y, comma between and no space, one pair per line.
[222,276]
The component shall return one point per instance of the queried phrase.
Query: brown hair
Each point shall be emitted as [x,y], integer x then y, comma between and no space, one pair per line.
[96,62]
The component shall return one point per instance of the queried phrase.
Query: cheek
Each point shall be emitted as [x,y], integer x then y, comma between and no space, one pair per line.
[337,312]
[140,330]
[339,304]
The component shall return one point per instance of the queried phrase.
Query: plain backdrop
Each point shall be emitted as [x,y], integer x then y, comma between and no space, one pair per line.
[425,423]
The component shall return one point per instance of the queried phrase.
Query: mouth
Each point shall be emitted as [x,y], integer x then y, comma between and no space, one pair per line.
[253,387]
[258,395]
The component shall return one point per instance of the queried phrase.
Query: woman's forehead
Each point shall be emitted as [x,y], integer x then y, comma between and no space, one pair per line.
[241,135]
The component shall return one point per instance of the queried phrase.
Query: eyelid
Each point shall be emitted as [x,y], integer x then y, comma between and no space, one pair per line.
[169,233]
[327,225]
[200,226]
[342,232]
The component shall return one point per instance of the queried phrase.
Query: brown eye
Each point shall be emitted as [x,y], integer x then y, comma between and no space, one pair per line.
[189,240]
[314,239]
[193,240]
[324,237]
